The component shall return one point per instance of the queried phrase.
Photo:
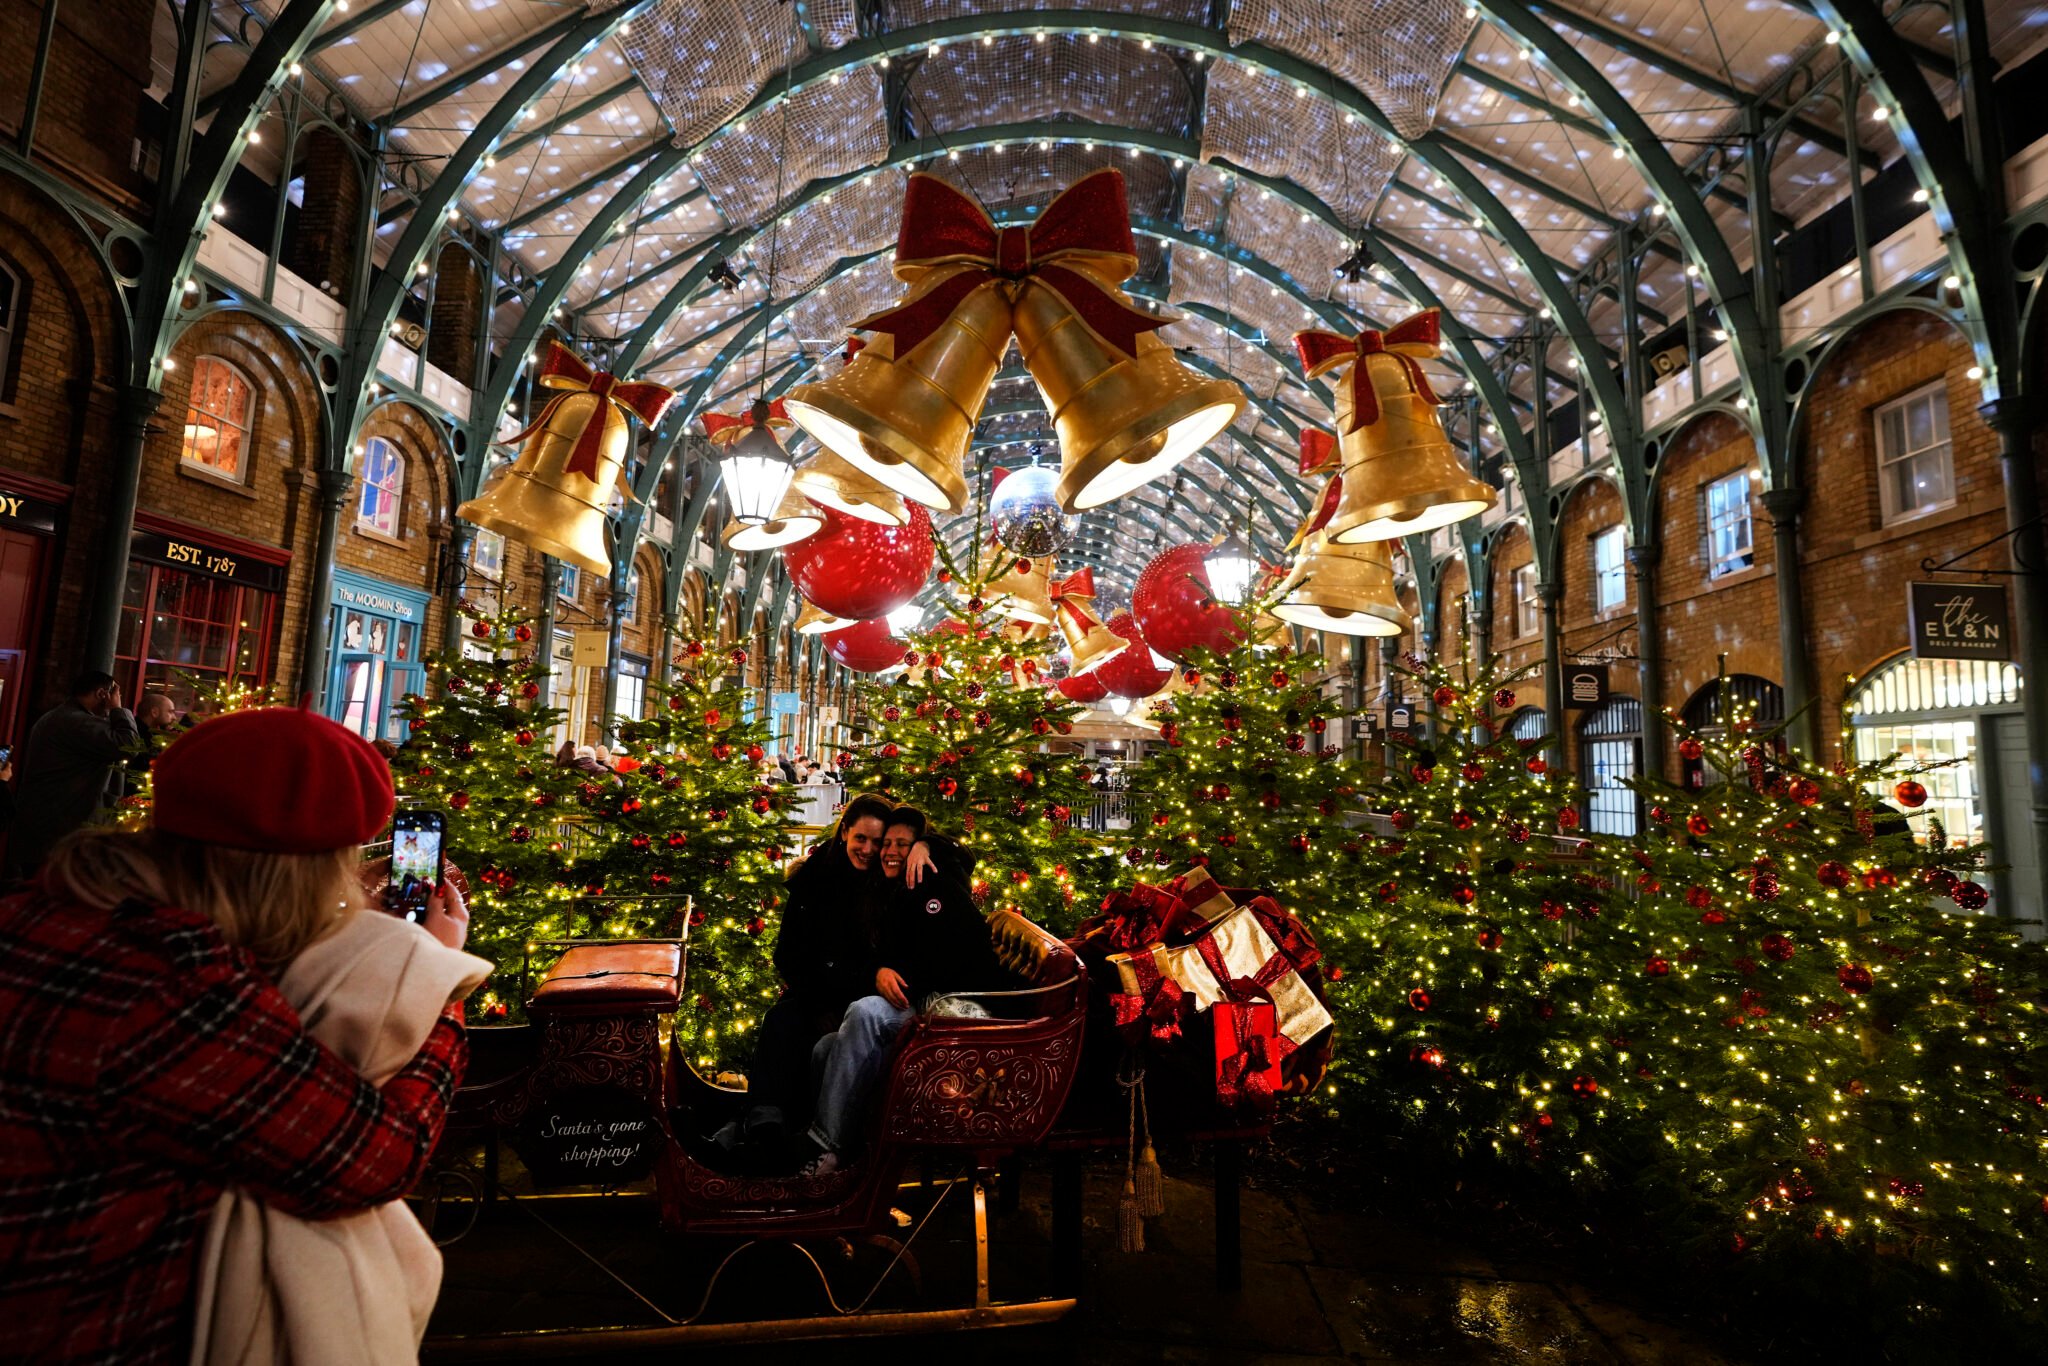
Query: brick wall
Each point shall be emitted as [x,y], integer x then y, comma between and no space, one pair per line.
[1452,628]
[1511,551]
[416,558]
[93,107]
[321,247]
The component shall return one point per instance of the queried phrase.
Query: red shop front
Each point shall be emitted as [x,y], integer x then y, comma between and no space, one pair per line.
[29,513]
[200,611]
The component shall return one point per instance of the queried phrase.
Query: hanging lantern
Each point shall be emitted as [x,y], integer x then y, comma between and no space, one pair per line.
[1091,644]
[830,482]
[795,517]
[755,467]
[1348,589]
[816,621]
[1231,567]
[1401,474]
[555,497]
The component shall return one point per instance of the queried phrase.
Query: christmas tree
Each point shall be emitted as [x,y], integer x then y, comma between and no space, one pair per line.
[1245,780]
[969,733]
[478,753]
[1842,1066]
[689,812]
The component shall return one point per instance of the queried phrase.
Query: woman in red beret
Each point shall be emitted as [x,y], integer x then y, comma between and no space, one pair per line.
[147,1060]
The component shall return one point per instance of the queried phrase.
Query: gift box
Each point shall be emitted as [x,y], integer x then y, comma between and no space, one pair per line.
[1248,1053]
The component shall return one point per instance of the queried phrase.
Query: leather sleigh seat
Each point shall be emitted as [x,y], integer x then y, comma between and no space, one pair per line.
[624,978]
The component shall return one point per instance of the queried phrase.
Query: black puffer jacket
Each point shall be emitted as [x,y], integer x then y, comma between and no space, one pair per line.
[826,949]
[935,936]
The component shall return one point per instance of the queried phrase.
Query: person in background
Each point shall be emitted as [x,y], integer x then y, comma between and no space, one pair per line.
[814,776]
[148,1060]
[69,768]
[156,720]
[789,771]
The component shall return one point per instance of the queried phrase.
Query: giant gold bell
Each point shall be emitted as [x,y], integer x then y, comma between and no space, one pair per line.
[908,420]
[816,621]
[1348,589]
[1022,592]
[1091,644]
[1401,474]
[795,519]
[837,484]
[1122,420]
[542,502]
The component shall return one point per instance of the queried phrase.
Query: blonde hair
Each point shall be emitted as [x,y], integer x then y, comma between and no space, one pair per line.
[273,905]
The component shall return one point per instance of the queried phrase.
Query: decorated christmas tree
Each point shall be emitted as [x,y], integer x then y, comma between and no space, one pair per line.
[970,734]
[689,813]
[1246,779]
[1843,1063]
[478,753]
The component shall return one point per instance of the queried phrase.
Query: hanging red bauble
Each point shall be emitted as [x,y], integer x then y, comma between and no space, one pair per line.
[1972,896]
[1418,999]
[530,691]
[889,751]
[1297,743]
[1658,967]
[1088,687]
[721,751]
[1473,773]
[1909,793]
[522,633]
[1713,917]
[1489,939]
[1504,698]
[1176,610]
[1421,773]
[859,569]
[524,737]
[1803,790]
[865,647]
[480,629]
[1464,894]
[1764,887]
[1280,678]
[1696,824]
[629,806]
[1132,673]
[1228,678]
[1444,696]
[1833,874]
[1689,748]
[1299,843]
[1854,977]
[1567,818]
[1537,766]
[1462,820]
[1778,948]
[1699,898]
[1583,1085]
[754,753]
[1519,833]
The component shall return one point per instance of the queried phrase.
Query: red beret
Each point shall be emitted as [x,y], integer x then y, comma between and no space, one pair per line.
[278,779]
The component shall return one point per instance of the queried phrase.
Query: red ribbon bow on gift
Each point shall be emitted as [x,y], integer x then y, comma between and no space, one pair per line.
[1157,1001]
[1089,225]
[564,369]
[1243,1076]
[1318,453]
[724,427]
[1408,342]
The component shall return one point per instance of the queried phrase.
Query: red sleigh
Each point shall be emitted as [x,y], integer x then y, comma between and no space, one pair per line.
[586,1097]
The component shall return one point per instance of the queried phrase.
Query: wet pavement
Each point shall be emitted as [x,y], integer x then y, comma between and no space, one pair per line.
[1321,1283]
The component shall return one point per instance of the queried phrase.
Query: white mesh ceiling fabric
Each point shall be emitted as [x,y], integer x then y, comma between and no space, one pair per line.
[703,60]
[1019,78]
[905,13]
[825,130]
[1272,126]
[854,220]
[1025,175]
[1400,52]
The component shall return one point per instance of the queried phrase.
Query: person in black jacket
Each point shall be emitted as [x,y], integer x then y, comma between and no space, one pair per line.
[933,945]
[825,953]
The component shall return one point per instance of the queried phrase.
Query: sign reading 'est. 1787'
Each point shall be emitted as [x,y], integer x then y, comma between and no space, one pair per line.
[1960,620]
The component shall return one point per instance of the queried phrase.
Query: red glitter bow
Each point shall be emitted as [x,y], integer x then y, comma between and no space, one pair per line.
[1408,342]
[1319,452]
[564,369]
[724,428]
[1156,1003]
[1079,584]
[1088,226]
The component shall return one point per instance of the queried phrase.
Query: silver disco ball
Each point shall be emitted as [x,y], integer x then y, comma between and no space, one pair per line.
[1025,514]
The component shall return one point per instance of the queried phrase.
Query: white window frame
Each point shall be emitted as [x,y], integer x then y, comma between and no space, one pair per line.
[1528,609]
[366,519]
[1730,527]
[1941,449]
[247,427]
[633,688]
[487,554]
[568,579]
[629,603]
[1610,581]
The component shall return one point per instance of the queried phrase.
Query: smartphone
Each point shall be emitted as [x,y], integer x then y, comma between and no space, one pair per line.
[416,863]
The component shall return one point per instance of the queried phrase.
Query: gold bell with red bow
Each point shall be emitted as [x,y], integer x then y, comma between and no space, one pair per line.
[1348,589]
[1023,591]
[814,620]
[1401,474]
[555,496]
[796,517]
[827,480]
[1091,644]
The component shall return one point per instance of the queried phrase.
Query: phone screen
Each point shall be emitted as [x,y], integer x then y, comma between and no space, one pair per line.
[416,838]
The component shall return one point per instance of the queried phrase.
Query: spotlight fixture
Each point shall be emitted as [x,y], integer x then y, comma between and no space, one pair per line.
[724,276]
[1356,266]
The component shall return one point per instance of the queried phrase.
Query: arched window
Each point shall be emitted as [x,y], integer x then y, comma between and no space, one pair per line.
[218,420]
[1611,753]
[383,488]
[13,294]
[1961,714]
[1756,701]
[1528,726]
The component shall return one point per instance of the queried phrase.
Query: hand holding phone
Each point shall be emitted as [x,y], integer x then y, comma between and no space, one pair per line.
[417,838]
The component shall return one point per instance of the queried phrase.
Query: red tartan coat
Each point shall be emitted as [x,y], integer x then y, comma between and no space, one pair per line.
[145,1065]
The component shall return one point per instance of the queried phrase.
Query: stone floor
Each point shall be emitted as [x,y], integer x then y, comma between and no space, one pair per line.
[1321,1284]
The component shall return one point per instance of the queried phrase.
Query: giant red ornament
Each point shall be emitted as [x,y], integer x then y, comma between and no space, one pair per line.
[1131,674]
[859,569]
[865,647]
[1176,609]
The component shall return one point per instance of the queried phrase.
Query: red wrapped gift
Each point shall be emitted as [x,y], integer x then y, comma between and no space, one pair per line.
[1247,1054]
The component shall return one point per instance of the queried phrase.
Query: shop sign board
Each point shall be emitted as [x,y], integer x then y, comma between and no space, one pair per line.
[21,512]
[1960,620]
[1585,687]
[589,1136]
[204,559]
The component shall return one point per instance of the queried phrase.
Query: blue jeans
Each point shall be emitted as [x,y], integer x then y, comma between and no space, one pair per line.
[852,1057]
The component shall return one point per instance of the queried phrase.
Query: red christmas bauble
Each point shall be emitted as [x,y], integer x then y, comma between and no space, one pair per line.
[1489,939]
[1909,793]
[1697,824]
[480,629]
[1854,977]
[524,737]
[1504,698]
[1473,773]
[1699,898]
[1299,843]
[522,633]
[1778,948]
[889,751]
[859,569]
[1803,790]
[1833,874]
[1444,696]
[1972,896]
[1131,674]
[1175,608]
[1270,800]
[1421,773]
[1567,818]
[865,647]
[1764,887]
[530,691]
[1658,967]
[1537,766]
[1418,999]
[948,786]
[1583,1085]
[1088,687]
[1689,748]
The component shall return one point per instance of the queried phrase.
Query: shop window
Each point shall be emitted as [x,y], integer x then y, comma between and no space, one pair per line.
[566,586]
[1731,543]
[1914,469]
[632,687]
[1528,726]
[1528,607]
[1610,754]
[383,486]
[1927,711]
[1748,700]
[13,294]
[1610,569]
[218,419]
[184,633]
[487,555]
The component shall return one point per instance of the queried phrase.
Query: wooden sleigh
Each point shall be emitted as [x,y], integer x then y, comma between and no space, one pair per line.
[589,1097]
